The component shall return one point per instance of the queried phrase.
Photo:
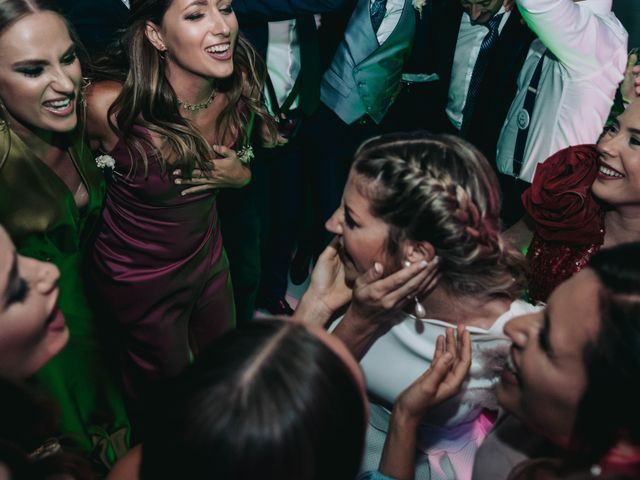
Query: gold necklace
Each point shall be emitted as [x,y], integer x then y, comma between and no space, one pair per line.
[198,106]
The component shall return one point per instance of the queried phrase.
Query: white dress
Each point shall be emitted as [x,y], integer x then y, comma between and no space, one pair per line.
[451,433]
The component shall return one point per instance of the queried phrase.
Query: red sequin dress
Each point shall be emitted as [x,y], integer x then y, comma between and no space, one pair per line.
[569,220]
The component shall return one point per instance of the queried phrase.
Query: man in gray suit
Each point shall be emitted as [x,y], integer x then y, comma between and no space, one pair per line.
[357,89]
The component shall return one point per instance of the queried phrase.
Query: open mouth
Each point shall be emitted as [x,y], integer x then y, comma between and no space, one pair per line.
[222,51]
[605,171]
[56,321]
[60,106]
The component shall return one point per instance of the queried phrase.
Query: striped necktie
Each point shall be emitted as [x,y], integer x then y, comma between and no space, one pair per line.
[488,42]
[378,9]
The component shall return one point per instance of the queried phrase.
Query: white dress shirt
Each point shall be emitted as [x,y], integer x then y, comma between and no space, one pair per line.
[390,20]
[464,60]
[577,84]
[283,60]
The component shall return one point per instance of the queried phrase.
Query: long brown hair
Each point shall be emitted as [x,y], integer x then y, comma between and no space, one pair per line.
[147,98]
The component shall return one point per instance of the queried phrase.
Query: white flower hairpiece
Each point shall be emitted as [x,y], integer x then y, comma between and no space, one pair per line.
[105,161]
[419,5]
[245,154]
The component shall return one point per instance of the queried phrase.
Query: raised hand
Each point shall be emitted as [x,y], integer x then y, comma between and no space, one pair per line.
[630,86]
[327,290]
[375,295]
[228,172]
[442,380]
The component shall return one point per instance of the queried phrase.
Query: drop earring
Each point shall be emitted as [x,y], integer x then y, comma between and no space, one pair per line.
[418,310]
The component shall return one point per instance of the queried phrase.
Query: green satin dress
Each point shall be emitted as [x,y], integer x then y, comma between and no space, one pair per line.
[39,212]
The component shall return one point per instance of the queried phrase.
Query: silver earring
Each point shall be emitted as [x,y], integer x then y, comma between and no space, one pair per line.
[419,309]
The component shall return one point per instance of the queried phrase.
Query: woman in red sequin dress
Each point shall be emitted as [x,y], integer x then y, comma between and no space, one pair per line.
[584,198]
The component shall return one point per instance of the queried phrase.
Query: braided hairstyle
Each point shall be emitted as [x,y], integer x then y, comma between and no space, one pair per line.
[440,189]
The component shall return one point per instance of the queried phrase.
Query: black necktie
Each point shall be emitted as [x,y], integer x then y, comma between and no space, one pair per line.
[488,42]
[378,9]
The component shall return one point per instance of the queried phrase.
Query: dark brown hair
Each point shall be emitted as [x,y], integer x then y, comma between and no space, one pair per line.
[269,400]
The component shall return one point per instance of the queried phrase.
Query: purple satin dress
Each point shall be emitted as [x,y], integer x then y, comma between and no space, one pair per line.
[160,265]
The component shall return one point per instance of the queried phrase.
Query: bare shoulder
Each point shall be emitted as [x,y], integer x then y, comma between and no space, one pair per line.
[100,96]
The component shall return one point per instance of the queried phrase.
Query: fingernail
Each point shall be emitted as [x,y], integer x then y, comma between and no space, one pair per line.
[176,172]
[435,259]
[377,267]
[406,263]
[424,264]
[177,181]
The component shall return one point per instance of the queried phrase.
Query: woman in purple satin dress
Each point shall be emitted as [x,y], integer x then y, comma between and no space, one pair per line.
[175,118]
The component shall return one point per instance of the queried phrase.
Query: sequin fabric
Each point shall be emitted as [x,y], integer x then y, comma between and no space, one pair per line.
[554,262]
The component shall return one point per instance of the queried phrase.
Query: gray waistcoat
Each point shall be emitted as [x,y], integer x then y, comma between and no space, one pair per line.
[364,77]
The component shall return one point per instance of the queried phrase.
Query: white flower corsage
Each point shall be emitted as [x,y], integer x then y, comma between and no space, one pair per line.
[419,5]
[245,154]
[105,161]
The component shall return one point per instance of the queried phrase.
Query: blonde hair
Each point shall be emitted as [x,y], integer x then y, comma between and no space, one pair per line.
[440,189]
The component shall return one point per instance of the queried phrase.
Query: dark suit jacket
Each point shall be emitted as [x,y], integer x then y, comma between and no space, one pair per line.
[254,15]
[499,84]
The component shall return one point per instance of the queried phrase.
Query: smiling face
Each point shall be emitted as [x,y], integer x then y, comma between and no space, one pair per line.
[198,36]
[39,73]
[481,11]
[618,181]
[546,376]
[363,237]
[32,329]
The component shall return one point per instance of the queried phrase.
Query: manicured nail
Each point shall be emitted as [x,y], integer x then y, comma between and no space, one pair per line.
[406,263]
[177,172]
[177,181]
[377,267]
[424,264]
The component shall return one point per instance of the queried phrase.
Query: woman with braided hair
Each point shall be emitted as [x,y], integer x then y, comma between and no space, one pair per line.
[418,251]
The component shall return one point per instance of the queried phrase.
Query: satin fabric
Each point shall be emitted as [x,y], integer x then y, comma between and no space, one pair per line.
[160,266]
[39,212]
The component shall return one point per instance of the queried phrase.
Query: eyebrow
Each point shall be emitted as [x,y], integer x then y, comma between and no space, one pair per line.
[543,337]
[634,130]
[40,63]
[198,3]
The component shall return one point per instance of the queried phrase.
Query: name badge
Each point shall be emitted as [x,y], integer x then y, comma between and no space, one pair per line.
[523,119]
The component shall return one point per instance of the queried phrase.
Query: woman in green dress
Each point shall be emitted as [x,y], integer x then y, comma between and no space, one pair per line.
[51,193]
